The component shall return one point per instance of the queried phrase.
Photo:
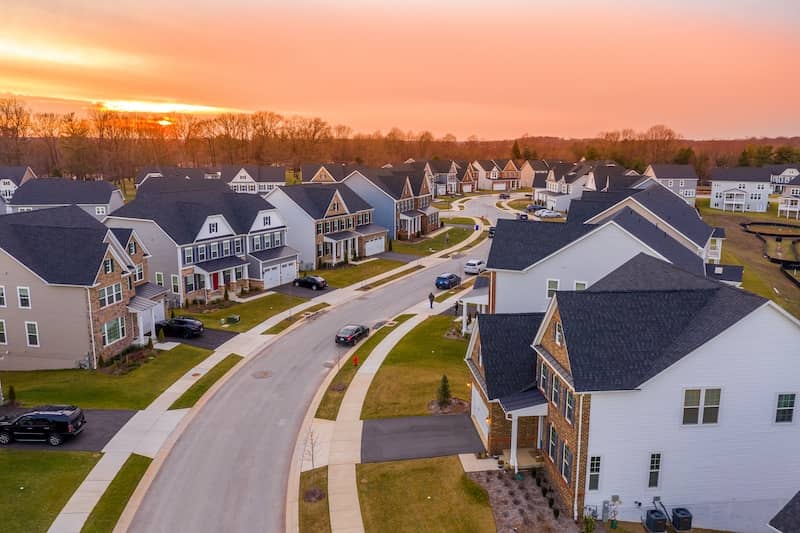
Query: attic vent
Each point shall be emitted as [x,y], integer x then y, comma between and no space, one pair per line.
[717,270]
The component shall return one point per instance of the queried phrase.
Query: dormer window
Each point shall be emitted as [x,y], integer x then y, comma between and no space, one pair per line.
[559,334]
[213,227]
[132,247]
[267,220]
[108,266]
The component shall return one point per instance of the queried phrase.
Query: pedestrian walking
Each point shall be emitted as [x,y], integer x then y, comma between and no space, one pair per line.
[431,297]
[455,309]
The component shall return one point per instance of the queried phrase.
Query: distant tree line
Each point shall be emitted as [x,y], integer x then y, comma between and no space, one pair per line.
[112,144]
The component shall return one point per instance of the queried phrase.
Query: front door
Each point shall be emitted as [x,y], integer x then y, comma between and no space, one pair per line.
[215,280]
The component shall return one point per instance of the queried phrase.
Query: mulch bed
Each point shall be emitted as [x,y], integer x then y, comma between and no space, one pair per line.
[123,364]
[314,494]
[518,505]
[456,405]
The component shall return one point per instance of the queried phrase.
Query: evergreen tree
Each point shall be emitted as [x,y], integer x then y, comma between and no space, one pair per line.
[444,392]
[515,151]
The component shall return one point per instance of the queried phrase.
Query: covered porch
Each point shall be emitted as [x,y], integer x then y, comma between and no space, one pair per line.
[339,247]
[410,224]
[478,298]
[220,274]
[733,200]
[147,308]
[529,403]
[788,206]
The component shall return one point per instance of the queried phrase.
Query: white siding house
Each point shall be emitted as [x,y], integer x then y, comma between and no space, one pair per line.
[740,189]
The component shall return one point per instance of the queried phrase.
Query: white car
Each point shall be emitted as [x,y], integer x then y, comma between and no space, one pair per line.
[546,213]
[474,266]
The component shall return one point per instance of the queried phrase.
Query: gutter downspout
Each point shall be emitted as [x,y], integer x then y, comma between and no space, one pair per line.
[578,463]
[91,328]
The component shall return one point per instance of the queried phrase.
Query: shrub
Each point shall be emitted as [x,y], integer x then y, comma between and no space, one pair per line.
[150,343]
[12,395]
[225,294]
[589,524]
[444,392]
[161,335]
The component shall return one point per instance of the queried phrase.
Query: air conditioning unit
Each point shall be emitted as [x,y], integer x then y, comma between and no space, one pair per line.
[655,521]
[681,519]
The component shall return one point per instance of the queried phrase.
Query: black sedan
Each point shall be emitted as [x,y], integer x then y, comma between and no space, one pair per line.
[314,283]
[351,334]
[180,326]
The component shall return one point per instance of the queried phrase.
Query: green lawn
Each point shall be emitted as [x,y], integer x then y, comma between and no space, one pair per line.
[445,206]
[483,236]
[96,390]
[499,205]
[35,486]
[464,221]
[436,244]
[520,204]
[199,387]
[344,275]
[329,406]
[286,322]
[742,248]
[423,495]
[315,517]
[444,295]
[780,250]
[108,510]
[393,277]
[410,375]
[251,313]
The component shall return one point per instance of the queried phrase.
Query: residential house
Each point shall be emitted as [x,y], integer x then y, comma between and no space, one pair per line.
[566,182]
[680,179]
[402,201]
[204,244]
[326,172]
[782,175]
[641,393]
[499,175]
[533,174]
[606,178]
[187,173]
[331,224]
[11,178]
[444,176]
[71,290]
[740,189]
[98,198]
[789,200]
[253,179]
[175,185]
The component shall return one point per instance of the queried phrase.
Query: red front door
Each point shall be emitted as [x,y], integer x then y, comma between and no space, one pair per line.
[215,280]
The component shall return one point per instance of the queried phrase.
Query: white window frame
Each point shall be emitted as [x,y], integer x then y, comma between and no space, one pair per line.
[100,210]
[213,250]
[19,298]
[3,332]
[201,253]
[213,227]
[267,220]
[569,407]
[778,408]
[109,295]
[120,320]
[160,279]
[564,450]
[551,443]
[701,407]
[188,255]
[175,283]
[594,470]
[544,377]
[237,246]
[3,296]
[547,288]
[585,285]
[555,391]
[138,273]
[226,248]
[27,334]
[108,266]
[558,333]
[658,470]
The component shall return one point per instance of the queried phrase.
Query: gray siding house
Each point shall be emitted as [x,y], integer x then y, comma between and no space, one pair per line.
[680,179]
[98,198]
[11,178]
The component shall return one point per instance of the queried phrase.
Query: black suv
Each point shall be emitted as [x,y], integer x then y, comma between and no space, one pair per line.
[180,326]
[49,423]
[311,282]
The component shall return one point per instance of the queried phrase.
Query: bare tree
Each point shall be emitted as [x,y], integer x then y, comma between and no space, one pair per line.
[15,129]
[48,128]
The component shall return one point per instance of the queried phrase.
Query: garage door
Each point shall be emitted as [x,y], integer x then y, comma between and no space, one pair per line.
[288,272]
[501,186]
[375,245]
[271,276]
[479,413]
[467,187]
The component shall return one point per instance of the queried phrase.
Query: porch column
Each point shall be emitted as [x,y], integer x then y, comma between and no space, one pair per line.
[140,323]
[540,439]
[463,318]
[514,423]
[153,321]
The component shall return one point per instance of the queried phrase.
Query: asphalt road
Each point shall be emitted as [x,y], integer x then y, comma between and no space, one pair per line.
[228,471]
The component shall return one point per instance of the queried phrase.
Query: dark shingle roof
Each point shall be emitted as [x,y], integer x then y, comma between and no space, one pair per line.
[274,253]
[788,518]
[315,198]
[182,215]
[509,362]
[58,191]
[122,234]
[667,171]
[338,171]
[63,245]
[440,166]
[193,173]
[740,174]
[538,164]
[257,172]
[731,273]
[539,180]
[593,203]
[174,184]
[647,328]
[518,244]
[676,212]
[14,174]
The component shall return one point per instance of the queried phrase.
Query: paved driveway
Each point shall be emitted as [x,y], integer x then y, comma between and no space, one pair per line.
[418,437]
[211,339]
[101,425]
[303,292]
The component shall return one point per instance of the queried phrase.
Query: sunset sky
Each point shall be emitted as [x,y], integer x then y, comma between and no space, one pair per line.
[494,68]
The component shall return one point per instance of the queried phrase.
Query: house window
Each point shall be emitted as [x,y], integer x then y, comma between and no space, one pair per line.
[655,470]
[239,273]
[176,284]
[327,227]
[188,283]
[552,287]
[2,296]
[669,183]
[132,247]
[108,266]
[3,339]
[257,242]
[24,297]
[569,406]
[139,274]
[32,334]
[319,229]
[110,295]
[226,248]
[566,463]
[552,444]
[201,253]
[545,379]
[214,250]
[237,246]
[580,285]
[277,237]
[130,283]
[681,183]
[555,391]
[559,333]
[594,472]
[113,330]
[785,410]
[188,256]
[160,279]
[267,220]
[213,227]
[100,210]
[697,400]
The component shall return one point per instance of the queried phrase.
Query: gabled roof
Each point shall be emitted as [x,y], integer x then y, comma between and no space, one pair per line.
[259,173]
[193,173]
[560,169]
[182,215]
[673,171]
[643,326]
[618,182]
[509,362]
[592,203]
[539,165]
[788,518]
[14,174]
[440,166]
[62,245]
[780,169]
[486,164]
[314,198]
[174,184]
[123,235]
[673,210]
[58,191]
[539,180]
[758,174]
[518,244]
[337,171]
[729,273]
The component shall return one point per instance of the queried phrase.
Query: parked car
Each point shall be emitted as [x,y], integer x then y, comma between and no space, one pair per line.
[522,216]
[474,266]
[546,213]
[50,423]
[180,326]
[314,283]
[504,196]
[448,280]
[351,334]
[530,208]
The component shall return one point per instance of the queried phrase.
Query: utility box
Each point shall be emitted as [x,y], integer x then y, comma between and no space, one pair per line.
[655,521]
[681,519]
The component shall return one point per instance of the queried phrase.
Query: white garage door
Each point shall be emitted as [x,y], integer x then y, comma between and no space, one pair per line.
[375,245]
[288,272]
[480,412]
[467,187]
[271,276]
[501,186]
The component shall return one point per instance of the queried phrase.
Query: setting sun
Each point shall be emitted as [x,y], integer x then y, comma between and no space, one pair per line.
[140,106]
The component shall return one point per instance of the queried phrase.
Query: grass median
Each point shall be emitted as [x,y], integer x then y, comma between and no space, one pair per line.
[286,322]
[463,221]
[442,296]
[432,245]
[108,510]
[332,400]
[193,393]
[344,275]
[95,389]
[35,486]
[315,516]
[250,313]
